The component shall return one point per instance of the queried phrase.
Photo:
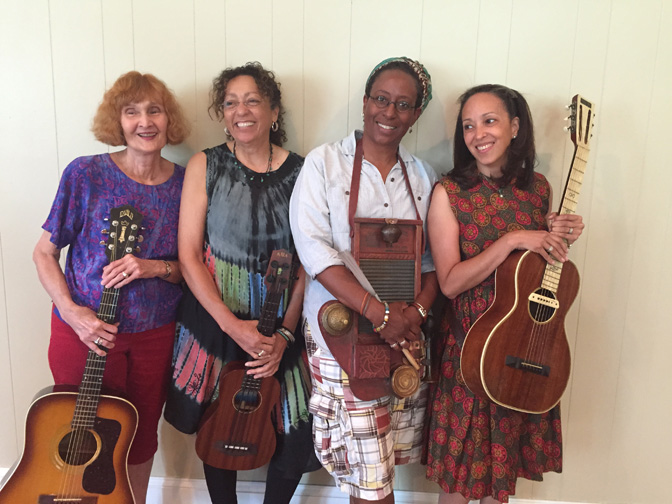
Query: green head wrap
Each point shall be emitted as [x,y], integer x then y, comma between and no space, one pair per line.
[418,69]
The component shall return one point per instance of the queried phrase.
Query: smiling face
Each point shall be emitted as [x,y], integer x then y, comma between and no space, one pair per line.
[488,131]
[247,113]
[144,125]
[387,126]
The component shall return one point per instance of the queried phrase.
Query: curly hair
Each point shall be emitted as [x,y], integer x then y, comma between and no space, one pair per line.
[521,153]
[133,87]
[268,87]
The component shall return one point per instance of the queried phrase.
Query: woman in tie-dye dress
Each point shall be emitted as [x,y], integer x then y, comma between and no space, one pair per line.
[234,213]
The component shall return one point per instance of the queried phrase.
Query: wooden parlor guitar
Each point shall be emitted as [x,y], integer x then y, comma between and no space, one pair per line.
[77,439]
[516,354]
[236,431]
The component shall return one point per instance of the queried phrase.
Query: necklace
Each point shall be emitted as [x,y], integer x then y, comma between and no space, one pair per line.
[491,183]
[270,156]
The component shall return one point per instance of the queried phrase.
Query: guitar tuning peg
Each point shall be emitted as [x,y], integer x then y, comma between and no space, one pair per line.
[141,238]
[102,242]
[106,219]
[143,228]
[137,249]
[105,231]
[567,129]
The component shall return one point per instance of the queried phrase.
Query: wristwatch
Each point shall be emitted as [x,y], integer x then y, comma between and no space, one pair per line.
[169,270]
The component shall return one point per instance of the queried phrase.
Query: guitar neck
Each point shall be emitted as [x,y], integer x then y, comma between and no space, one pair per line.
[568,205]
[269,314]
[89,390]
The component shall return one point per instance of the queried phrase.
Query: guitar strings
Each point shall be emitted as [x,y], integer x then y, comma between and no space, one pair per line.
[86,405]
[249,391]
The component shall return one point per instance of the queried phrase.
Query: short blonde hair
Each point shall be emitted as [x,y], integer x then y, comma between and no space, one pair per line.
[133,87]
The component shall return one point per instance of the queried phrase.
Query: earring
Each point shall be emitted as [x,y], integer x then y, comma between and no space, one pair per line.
[362,116]
[410,130]
[274,126]
[514,137]
[226,131]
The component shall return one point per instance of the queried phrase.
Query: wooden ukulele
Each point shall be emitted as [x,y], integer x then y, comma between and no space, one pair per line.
[77,439]
[516,354]
[236,431]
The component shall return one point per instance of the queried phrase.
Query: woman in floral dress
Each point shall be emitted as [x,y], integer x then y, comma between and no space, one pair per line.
[490,204]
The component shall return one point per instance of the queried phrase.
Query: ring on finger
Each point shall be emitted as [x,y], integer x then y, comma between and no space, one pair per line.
[395,344]
[550,249]
[124,274]
[97,342]
[259,354]
[571,230]
[404,343]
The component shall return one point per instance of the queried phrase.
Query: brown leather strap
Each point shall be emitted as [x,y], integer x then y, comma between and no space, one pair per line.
[354,187]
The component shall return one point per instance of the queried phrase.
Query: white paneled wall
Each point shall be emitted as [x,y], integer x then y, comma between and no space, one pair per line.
[57,57]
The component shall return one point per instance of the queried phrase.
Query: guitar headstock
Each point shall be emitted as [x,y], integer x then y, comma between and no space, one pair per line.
[279,271]
[122,236]
[582,114]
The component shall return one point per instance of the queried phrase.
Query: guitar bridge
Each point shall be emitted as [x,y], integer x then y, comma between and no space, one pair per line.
[57,499]
[235,449]
[525,365]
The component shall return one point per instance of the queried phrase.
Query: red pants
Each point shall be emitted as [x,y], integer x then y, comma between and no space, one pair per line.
[138,366]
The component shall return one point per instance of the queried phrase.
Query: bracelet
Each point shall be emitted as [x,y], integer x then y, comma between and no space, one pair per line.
[286,334]
[365,303]
[386,318]
[421,310]
[169,270]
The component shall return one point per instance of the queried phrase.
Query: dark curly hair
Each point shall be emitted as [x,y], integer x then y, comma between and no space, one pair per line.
[521,154]
[268,87]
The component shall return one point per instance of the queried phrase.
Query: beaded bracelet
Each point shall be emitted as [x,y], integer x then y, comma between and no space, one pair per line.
[286,334]
[386,318]
[421,310]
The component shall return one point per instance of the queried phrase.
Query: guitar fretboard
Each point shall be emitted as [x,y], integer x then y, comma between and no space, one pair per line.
[570,200]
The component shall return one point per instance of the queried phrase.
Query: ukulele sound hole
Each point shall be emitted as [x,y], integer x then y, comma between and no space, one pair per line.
[247,401]
[542,305]
[78,447]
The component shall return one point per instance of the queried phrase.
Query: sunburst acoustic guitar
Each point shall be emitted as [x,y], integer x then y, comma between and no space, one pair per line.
[236,431]
[77,439]
[516,354]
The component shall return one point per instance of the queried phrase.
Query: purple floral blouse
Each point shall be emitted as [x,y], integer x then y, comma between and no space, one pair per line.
[90,187]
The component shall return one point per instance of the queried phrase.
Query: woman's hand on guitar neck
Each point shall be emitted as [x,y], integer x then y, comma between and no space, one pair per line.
[567,226]
[551,246]
[268,364]
[247,337]
[92,331]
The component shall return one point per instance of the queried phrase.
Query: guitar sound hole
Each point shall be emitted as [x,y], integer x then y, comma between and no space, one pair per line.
[541,312]
[247,401]
[77,447]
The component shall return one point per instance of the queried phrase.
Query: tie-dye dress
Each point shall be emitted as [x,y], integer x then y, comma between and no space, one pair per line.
[476,447]
[247,218]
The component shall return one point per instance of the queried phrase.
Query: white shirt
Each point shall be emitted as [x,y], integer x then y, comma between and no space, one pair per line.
[318,210]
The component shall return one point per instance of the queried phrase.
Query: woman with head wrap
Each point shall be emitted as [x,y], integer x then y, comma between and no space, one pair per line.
[360,441]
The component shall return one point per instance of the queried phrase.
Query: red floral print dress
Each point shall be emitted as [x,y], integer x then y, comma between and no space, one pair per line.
[476,447]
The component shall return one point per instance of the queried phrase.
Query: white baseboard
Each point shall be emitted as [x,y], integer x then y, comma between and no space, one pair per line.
[187,491]
[181,491]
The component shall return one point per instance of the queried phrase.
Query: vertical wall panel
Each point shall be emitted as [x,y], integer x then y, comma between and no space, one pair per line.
[249,30]
[606,282]
[79,77]
[210,43]
[648,199]
[326,52]
[289,67]
[28,177]
[117,23]
[448,50]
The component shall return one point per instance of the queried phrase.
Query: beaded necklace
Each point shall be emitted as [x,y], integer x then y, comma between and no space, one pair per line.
[270,157]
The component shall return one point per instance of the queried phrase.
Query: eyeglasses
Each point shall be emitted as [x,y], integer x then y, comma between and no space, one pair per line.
[381,102]
[249,103]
